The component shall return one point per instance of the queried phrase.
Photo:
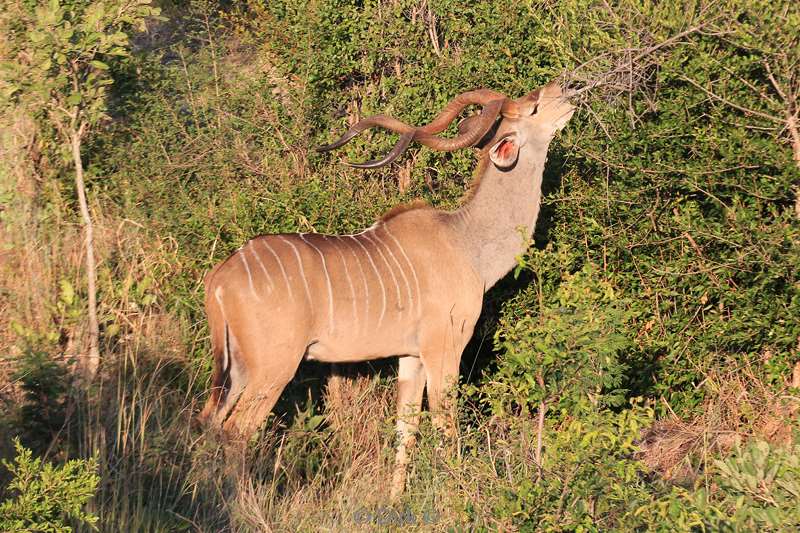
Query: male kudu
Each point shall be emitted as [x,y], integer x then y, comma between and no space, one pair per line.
[411,285]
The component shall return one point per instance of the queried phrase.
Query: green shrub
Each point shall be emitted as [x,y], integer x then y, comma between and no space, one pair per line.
[44,383]
[47,498]
[561,348]
[589,481]
[756,489]
[681,183]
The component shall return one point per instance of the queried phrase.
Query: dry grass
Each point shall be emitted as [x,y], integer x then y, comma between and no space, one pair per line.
[158,473]
[352,467]
[32,260]
[740,407]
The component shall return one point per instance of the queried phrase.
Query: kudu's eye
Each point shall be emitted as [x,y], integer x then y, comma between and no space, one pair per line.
[535,109]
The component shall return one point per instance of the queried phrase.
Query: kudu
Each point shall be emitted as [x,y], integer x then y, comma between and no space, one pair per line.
[411,285]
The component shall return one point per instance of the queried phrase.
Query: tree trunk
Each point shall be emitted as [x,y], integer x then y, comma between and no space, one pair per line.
[794,131]
[90,363]
[540,430]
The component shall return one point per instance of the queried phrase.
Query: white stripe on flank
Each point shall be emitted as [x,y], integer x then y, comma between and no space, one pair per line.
[283,270]
[225,354]
[327,279]
[364,280]
[350,283]
[261,264]
[363,231]
[391,271]
[410,264]
[402,273]
[300,264]
[249,275]
[378,275]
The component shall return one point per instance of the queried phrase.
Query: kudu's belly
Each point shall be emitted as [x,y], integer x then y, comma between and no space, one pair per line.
[366,346]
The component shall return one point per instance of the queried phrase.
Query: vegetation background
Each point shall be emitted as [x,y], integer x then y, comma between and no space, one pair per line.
[637,372]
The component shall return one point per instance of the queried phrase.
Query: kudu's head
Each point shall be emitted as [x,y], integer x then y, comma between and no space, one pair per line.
[505,126]
[528,123]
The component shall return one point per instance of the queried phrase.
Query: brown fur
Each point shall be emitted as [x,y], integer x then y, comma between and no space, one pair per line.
[480,170]
[283,303]
[218,346]
[402,208]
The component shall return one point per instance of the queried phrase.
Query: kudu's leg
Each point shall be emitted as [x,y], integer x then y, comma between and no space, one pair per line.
[228,380]
[236,384]
[441,355]
[442,378]
[219,350]
[267,376]
[410,386]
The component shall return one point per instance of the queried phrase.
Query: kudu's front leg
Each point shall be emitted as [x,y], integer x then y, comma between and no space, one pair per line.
[441,357]
[442,379]
[437,370]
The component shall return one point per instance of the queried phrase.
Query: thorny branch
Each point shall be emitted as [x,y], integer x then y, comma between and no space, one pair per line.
[792,112]
[728,103]
[629,71]
[629,66]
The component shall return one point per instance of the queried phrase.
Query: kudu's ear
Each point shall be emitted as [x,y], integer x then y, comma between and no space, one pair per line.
[561,121]
[504,153]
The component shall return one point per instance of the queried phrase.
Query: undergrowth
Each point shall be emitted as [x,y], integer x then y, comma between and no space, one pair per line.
[636,372]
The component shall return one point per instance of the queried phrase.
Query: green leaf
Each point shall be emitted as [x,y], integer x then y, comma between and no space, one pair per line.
[36,36]
[112,330]
[98,64]
[314,422]
[67,295]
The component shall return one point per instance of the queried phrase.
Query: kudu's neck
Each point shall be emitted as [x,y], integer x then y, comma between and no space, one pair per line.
[496,223]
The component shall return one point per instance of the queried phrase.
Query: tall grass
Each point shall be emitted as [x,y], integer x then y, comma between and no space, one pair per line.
[209,146]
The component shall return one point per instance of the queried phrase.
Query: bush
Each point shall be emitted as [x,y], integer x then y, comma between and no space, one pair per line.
[589,480]
[48,498]
[44,383]
[561,349]
[666,255]
[683,188]
[756,489]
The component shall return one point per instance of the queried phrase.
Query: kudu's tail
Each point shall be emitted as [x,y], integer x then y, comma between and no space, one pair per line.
[220,349]
[219,377]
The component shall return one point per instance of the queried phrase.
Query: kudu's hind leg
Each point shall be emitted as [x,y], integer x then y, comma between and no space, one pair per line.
[268,374]
[410,386]
[228,380]
[237,379]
